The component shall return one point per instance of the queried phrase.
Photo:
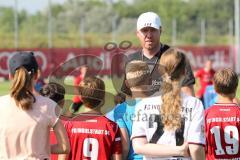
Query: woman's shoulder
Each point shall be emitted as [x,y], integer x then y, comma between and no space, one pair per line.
[44,102]
[46,106]
[43,99]
[4,100]
[5,97]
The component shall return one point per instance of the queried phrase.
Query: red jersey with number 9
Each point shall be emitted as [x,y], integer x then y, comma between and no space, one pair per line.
[93,137]
[222,128]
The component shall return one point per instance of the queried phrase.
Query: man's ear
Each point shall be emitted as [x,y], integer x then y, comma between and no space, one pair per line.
[137,33]
[160,30]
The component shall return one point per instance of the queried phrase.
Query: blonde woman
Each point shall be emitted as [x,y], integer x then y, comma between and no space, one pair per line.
[25,118]
[170,118]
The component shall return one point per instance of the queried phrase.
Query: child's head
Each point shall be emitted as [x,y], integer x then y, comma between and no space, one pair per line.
[172,65]
[208,64]
[92,92]
[226,82]
[137,74]
[55,92]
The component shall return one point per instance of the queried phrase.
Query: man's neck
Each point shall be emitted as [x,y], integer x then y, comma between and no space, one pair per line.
[149,53]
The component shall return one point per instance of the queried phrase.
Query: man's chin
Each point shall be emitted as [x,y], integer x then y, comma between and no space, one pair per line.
[150,47]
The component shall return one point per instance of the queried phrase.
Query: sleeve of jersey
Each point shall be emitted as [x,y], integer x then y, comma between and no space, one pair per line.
[67,127]
[118,115]
[121,123]
[138,129]
[117,147]
[196,130]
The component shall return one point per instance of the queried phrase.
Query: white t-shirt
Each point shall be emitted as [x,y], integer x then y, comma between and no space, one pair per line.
[147,123]
[25,134]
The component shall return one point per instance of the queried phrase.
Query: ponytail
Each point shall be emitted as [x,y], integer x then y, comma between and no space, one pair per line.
[171,107]
[21,88]
[172,67]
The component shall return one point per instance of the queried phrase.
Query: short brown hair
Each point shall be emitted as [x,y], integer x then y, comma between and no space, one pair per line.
[92,91]
[225,81]
[137,73]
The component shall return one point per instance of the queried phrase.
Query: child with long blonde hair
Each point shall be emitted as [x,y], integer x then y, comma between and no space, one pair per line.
[170,119]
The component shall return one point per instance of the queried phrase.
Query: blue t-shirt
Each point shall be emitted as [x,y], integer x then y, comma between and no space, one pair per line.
[209,97]
[124,115]
[110,114]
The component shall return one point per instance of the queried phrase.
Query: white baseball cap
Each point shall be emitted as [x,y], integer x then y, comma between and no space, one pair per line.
[148,19]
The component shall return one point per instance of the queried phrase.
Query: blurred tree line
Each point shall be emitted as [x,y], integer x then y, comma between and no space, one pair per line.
[90,23]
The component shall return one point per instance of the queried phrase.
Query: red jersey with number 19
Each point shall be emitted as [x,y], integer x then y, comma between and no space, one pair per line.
[93,137]
[222,128]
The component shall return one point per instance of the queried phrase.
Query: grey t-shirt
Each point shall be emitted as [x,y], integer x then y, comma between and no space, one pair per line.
[153,66]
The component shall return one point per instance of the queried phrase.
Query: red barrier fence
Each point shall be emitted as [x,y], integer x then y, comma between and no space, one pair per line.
[100,60]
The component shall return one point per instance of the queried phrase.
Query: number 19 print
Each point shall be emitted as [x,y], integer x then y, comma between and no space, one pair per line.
[222,131]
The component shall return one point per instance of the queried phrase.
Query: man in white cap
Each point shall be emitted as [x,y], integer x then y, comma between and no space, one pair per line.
[149,30]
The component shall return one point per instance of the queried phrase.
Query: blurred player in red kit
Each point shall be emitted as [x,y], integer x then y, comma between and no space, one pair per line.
[222,120]
[205,76]
[92,136]
[77,102]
